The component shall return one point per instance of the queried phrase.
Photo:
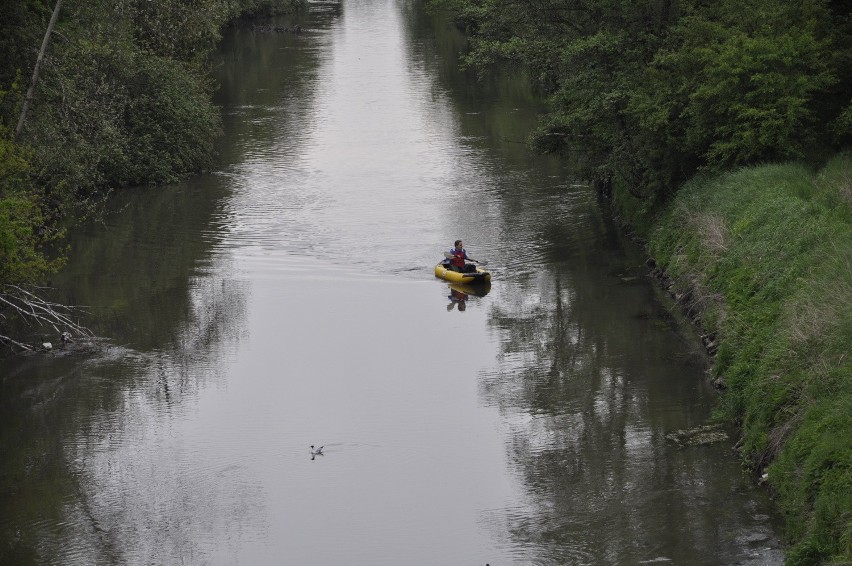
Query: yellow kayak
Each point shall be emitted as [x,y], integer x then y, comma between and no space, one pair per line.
[479,277]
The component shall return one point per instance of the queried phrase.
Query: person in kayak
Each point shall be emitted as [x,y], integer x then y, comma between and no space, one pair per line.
[456,259]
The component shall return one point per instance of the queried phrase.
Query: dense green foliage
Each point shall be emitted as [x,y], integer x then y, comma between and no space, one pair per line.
[766,253]
[649,92]
[21,220]
[123,98]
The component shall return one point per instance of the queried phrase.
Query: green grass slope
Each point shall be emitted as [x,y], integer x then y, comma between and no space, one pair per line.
[763,255]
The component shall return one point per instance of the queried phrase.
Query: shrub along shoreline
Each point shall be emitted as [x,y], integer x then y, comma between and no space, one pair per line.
[761,259]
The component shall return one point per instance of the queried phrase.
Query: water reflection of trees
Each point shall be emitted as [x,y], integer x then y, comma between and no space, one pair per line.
[268,80]
[62,415]
[588,383]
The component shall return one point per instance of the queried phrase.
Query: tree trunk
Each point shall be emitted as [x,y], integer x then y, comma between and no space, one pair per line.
[37,68]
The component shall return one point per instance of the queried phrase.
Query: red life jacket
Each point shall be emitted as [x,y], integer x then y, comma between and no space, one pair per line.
[458,257]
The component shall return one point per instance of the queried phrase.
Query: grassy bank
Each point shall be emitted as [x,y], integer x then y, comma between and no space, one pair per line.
[763,258]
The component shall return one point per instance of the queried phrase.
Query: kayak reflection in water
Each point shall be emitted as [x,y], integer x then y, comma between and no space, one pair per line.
[457,298]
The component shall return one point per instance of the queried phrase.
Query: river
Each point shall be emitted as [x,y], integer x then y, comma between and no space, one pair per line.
[287,299]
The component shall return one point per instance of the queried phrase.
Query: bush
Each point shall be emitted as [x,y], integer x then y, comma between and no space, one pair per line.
[23,234]
[170,125]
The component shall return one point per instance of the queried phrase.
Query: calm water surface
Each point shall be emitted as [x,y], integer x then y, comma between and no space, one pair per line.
[287,299]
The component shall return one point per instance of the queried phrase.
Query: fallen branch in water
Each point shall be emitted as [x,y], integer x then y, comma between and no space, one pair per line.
[34,310]
[21,345]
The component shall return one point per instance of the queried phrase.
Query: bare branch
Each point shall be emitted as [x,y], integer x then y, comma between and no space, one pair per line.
[33,309]
[7,340]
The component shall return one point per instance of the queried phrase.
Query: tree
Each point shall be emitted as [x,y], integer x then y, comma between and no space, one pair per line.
[37,68]
[649,92]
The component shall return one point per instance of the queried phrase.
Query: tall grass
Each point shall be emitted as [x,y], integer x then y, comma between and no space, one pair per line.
[765,253]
